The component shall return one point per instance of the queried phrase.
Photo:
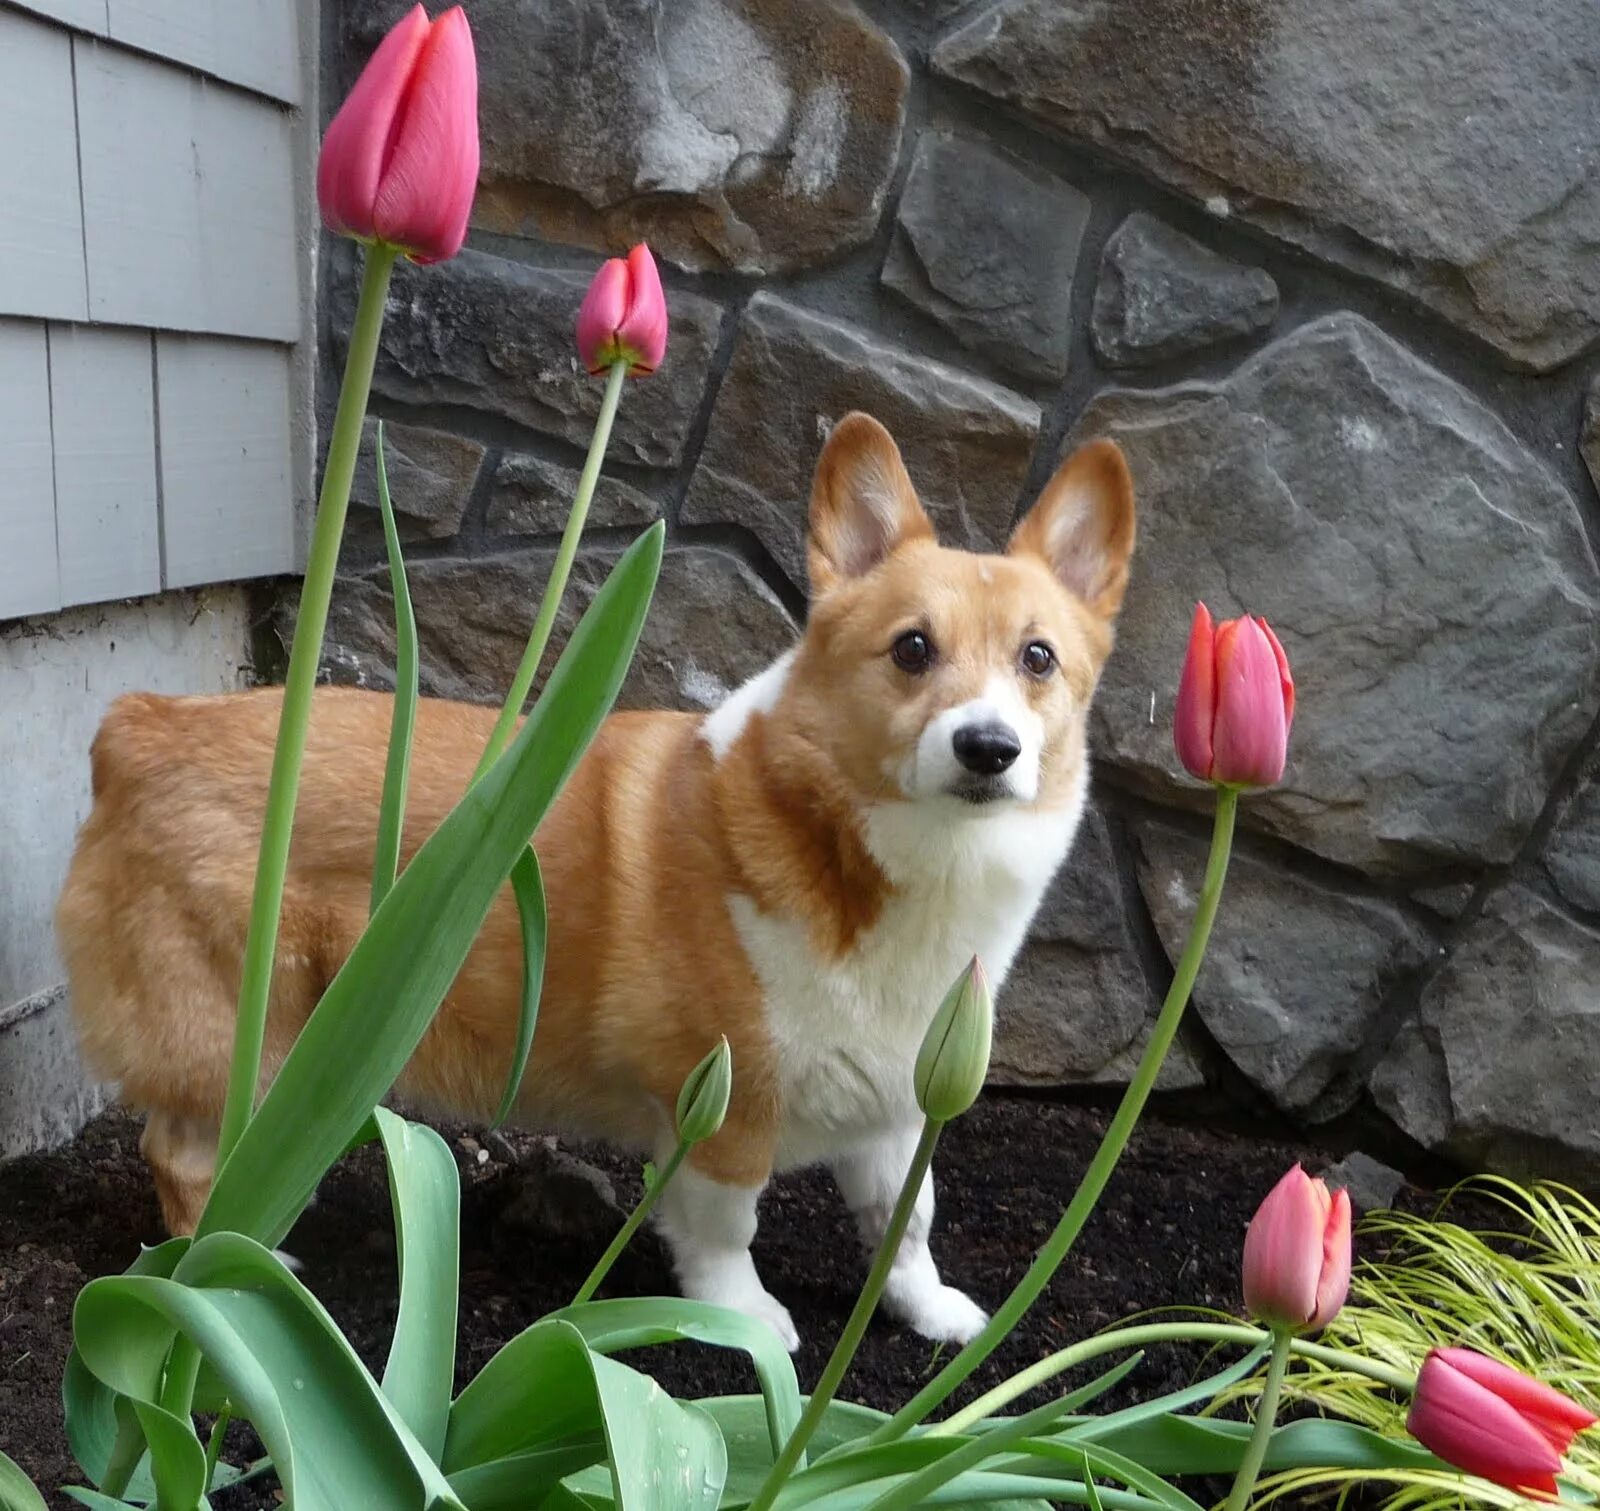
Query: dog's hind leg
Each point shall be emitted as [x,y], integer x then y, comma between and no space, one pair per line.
[181,1152]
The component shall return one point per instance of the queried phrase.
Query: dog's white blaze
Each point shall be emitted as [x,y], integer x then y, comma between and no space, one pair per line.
[932,767]
[722,727]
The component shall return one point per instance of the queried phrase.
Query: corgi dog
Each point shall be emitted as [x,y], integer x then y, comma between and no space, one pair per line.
[806,869]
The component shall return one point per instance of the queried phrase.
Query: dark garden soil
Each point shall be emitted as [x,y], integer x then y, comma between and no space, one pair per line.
[1168,1231]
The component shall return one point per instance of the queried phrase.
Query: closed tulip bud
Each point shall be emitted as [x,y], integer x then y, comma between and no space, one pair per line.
[1493,1421]
[703,1101]
[953,1062]
[399,162]
[623,317]
[1235,703]
[1297,1254]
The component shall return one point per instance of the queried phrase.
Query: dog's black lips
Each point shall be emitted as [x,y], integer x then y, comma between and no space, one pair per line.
[981,790]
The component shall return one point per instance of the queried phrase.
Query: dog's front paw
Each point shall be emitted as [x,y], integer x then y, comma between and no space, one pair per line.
[767,1308]
[743,1292]
[945,1315]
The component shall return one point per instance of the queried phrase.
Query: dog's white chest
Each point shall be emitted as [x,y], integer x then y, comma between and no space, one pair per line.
[846,1032]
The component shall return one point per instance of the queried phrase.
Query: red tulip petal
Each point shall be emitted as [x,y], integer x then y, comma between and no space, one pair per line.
[358,140]
[1333,1285]
[1283,673]
[1196,707]
[1283,1252]
[1470,1426]
[642,331]
[1250,737]
[601,312]
[425,199]
[1557,1416]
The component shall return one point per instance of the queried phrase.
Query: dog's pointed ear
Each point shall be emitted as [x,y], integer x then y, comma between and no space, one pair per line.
[863,506]
[1083,525]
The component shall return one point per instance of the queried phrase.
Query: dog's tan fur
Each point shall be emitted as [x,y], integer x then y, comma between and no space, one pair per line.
[641,852]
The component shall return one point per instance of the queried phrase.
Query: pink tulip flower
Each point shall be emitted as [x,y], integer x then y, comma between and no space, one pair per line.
[1493,1421]
[399,162]
[1235,703]
[624,316]
[1297,1254]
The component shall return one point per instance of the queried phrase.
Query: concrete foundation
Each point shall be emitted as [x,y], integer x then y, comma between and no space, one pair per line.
[57,676]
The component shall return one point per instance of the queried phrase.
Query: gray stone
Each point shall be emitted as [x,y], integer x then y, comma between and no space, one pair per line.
[1589,442]
[1448,900]
[1498,1071]
[1429,577]
[1294,979]
[1162,294]
[496,336]
[1076,996]
[1448,149]
[988,249]
[1372,1185]
[757,135]
[1572,852]
[431,474]
[966,442]
[530,496]
[556,1195]
[712,624]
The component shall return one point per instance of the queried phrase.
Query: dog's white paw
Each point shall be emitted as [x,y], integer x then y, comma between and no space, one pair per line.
[739,1293]
[767,1308]
[944,1315]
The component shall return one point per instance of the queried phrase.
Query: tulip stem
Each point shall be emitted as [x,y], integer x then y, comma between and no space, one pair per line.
[1059,1244]
[1123,1338]
[856,1328]
[539,638]
[635,1221]
[1266,1416]
[272,863]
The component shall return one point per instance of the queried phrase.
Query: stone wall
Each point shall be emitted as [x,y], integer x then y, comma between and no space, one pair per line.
[1329,273]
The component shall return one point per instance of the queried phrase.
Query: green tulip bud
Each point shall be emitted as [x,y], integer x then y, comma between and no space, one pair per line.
[954,1059]
[703,1102]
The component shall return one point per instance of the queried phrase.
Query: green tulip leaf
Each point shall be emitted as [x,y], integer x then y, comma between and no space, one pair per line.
[527,886]
[377,1009]
[17,1491]
[546,1387]
[426,1194]
[407,673]
[610,1327]
[333,1438]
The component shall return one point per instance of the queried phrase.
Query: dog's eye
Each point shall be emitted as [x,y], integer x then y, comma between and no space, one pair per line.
[913,652]
[1038,660]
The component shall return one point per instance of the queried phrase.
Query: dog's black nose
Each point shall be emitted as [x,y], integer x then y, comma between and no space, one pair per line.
[986,749]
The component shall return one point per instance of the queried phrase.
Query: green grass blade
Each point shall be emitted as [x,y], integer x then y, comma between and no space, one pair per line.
[610,1327]
[378,1007]
[425,1191]
[333,1438]
[407,673]
[94,1500]
[1099,1428]
[527,886]
[17,1491]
